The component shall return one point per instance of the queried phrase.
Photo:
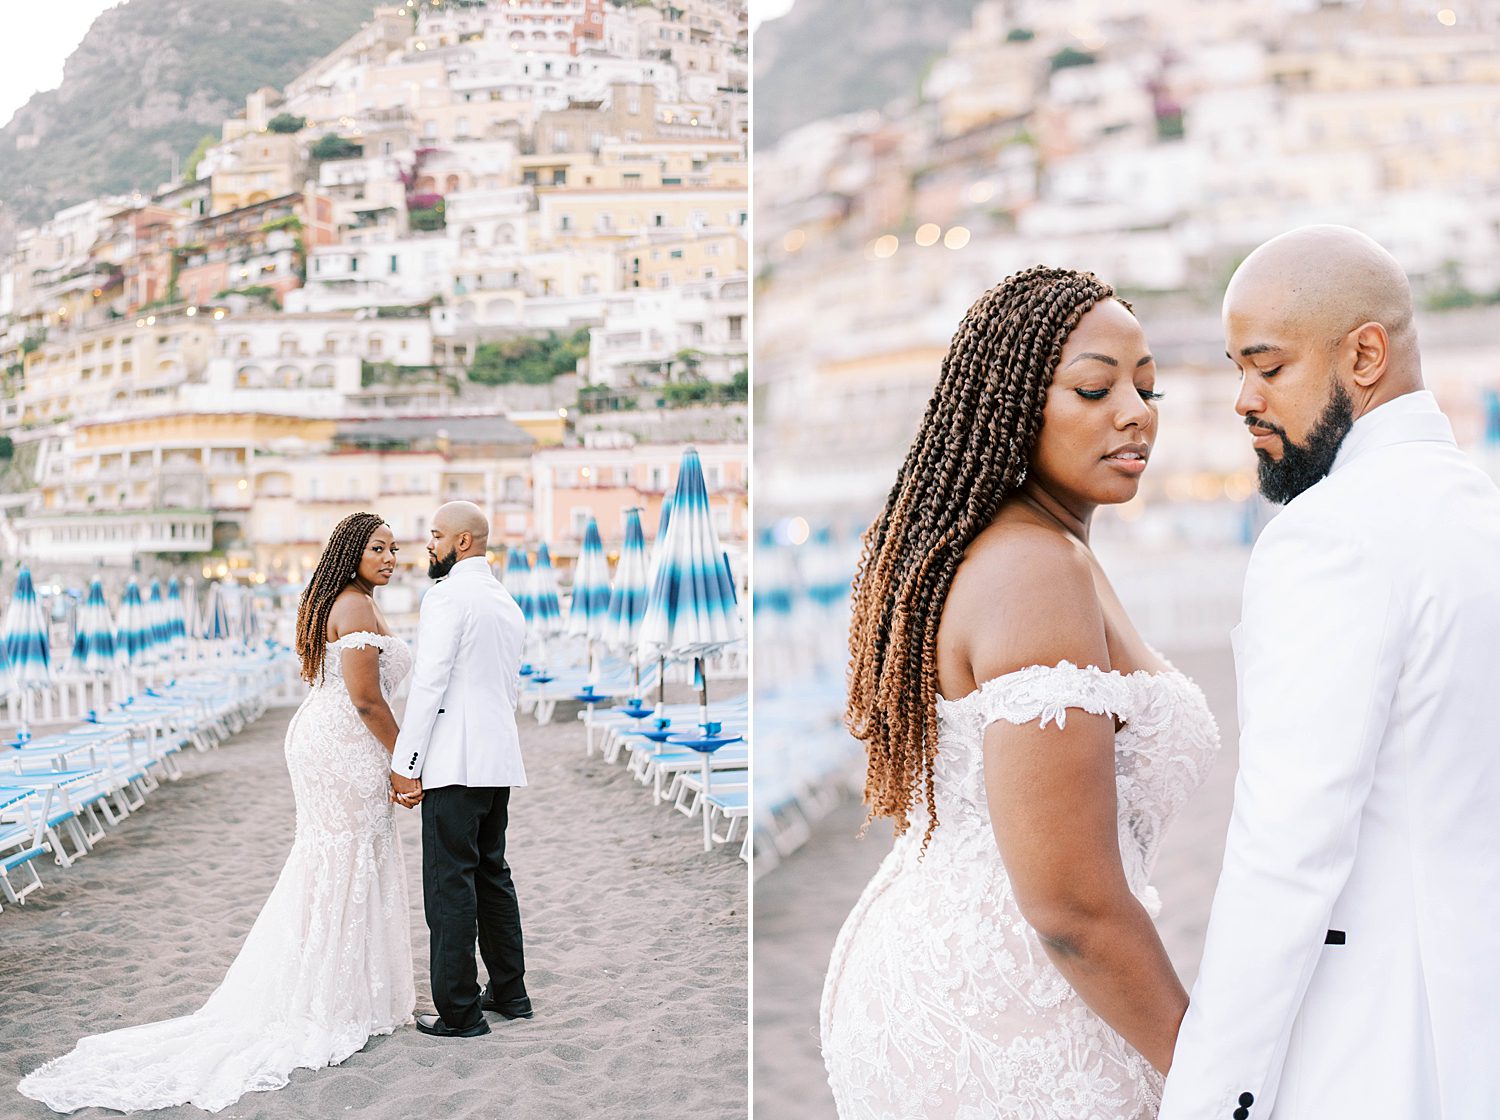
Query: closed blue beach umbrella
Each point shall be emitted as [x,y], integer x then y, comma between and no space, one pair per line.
[156,623]
[176,617]
[589,610]
[132,636]
[627,600]
[250,629]
[27,650]
[28,653]
[692,609]
[216,621]
[546,601]
[590,605]
[94,643]
[518,582]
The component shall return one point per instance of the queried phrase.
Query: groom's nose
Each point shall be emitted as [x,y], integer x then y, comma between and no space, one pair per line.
[1250,398]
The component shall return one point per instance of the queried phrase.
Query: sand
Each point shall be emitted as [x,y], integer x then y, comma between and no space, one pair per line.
[800,905]
[635,943]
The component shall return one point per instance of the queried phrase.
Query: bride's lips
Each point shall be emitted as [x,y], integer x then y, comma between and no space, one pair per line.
[1129,459]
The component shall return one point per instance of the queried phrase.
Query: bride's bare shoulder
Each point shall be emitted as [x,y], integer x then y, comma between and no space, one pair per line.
[352,612]
[1026,596]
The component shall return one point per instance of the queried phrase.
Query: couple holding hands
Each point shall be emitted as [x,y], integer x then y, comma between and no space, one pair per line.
[328,962]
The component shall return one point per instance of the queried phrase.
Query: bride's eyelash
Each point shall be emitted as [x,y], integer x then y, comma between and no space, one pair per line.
[1100,394]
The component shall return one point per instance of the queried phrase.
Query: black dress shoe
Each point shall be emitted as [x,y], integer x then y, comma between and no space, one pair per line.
[519,1008]
[433,1024]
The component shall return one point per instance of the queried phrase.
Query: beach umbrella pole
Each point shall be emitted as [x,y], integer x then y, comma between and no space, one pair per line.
[708,828]
[702,691]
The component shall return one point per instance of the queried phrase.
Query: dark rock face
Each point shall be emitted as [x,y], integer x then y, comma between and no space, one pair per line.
[826,57]
[147,82]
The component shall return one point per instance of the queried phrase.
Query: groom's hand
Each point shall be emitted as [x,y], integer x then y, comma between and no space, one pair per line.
[406,791]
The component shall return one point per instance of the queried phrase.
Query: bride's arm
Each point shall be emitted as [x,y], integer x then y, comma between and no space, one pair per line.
[362,669]
[1051,796]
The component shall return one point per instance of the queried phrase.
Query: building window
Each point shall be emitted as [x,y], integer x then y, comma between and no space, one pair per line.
[565,222]
[395,263]
[736,328]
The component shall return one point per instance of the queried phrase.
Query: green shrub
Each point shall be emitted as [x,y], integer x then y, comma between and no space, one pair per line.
[1069,57]
[333,146]
[528,361]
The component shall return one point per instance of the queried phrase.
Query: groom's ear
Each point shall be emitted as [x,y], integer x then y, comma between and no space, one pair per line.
[1371,347]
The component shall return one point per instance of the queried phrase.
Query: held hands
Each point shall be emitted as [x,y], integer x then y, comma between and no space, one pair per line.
[406,791]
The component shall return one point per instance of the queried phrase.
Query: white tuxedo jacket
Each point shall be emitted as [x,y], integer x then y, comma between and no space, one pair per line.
[460,722]
[1352,967]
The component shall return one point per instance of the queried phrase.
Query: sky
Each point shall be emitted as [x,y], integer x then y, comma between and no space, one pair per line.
[37,42]
[767,9]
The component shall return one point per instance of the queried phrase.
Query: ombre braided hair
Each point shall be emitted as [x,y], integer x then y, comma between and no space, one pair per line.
[970,453]
[341,556]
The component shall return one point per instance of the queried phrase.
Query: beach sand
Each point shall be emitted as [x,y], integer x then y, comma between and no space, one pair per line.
[635,947]
[800,906]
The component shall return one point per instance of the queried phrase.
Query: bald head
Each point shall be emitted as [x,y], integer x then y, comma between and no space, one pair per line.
[1319,324]
[459,530]
[1322,284]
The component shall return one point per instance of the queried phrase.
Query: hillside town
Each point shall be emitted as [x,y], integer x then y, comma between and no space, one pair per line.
[1155,148]
[485,250]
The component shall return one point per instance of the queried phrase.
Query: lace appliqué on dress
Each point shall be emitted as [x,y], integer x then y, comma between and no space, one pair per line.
[328,962]
[940,1001]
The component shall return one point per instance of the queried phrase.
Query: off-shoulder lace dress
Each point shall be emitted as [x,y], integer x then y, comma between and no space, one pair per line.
[940,1002]
[328,962]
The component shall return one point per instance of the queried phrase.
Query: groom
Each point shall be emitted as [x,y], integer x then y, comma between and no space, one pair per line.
[1350,968]
[459,754]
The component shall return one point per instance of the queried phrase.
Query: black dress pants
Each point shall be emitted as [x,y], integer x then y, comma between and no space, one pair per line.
[467,891]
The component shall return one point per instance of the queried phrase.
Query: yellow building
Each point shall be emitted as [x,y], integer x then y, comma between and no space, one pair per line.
[256,168]
[637,211]
[115,366]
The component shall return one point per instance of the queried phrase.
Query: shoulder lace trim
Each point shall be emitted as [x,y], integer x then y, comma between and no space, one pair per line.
[1046,692]
[363,639]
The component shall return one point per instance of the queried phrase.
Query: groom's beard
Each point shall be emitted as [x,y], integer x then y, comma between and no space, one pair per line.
[1302,465]
[437,569]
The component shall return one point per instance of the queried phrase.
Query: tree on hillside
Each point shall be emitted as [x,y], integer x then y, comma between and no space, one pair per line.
[333,146]
[190,169]
[530,361]
[286,122]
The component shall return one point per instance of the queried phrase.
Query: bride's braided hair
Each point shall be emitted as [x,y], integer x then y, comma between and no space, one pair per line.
[341,555]
[970,453]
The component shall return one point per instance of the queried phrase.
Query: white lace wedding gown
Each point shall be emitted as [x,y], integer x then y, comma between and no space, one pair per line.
[940,1003]
[328,962]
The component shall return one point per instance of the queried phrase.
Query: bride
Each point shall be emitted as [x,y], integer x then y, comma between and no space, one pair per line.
[328,962]
[1029,744]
